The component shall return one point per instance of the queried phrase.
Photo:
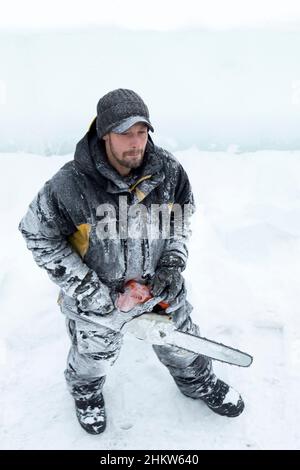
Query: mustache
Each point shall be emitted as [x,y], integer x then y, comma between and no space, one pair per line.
[133,153]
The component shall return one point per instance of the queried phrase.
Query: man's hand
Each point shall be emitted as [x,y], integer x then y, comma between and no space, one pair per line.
[94,296]
[168,282]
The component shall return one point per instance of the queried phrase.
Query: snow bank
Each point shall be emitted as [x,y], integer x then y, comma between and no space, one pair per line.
[211,88]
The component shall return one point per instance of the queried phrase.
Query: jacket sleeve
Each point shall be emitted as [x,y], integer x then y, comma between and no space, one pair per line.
[180,231]
[45,228]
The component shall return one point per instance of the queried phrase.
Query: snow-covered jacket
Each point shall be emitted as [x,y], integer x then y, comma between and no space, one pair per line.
[60,227]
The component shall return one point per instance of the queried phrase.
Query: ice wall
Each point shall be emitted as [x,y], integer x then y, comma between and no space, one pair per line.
[204,88]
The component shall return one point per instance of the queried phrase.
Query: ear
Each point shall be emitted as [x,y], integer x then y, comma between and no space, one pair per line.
[105,137]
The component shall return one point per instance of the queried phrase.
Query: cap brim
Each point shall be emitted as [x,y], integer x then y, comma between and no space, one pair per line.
[127,123]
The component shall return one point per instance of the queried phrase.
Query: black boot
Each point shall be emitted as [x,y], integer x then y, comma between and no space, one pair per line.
[91,414]
[224,400]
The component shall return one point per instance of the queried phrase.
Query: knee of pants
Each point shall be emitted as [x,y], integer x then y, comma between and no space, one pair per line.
[93,350]
[94,339]
[173,356]
[86,366]
[182,364]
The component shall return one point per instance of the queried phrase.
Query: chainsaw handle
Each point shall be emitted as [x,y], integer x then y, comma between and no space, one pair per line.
[135,301]
[117,319]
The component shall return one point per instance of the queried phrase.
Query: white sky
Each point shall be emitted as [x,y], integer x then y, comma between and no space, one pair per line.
[154,14]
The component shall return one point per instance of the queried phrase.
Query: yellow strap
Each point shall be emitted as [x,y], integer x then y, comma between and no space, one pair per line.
[80,239]
[140,194]
[139,181]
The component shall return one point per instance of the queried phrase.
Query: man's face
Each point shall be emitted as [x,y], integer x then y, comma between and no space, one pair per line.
[126,151]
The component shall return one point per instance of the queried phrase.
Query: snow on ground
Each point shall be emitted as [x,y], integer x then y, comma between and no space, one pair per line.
[243,278]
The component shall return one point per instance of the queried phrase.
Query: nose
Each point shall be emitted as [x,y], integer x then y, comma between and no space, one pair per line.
[134,141]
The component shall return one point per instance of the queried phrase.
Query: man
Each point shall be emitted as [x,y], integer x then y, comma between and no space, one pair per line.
[117,159]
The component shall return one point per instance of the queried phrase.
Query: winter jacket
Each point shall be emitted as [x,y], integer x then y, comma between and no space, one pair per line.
[60,227]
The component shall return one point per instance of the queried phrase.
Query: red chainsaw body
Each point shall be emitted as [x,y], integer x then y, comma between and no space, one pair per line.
[134,294]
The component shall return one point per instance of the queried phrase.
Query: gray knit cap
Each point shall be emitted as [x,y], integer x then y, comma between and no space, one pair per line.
[120,109]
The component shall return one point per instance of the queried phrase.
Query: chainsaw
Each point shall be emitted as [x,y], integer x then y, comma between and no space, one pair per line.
[133,314]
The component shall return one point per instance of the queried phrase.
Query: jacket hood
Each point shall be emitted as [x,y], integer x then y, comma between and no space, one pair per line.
[90,158]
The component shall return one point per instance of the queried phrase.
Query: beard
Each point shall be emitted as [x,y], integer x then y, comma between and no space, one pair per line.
[130,159]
